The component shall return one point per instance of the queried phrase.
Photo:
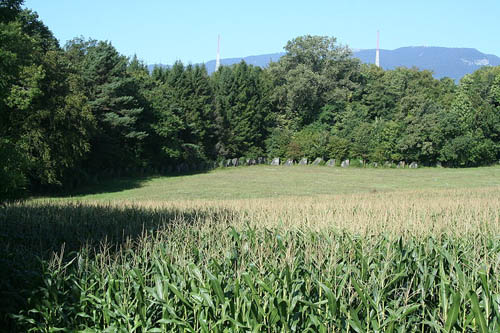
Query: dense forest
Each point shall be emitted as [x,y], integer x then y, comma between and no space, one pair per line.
[74,114]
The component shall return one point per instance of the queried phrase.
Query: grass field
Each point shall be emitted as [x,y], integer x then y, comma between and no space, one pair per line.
[261,249]
[268,181]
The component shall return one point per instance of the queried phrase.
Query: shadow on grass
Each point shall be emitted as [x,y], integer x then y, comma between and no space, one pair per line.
[107,186]
[32,232]
[118,184]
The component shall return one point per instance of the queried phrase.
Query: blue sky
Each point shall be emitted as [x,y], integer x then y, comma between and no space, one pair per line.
[166,31]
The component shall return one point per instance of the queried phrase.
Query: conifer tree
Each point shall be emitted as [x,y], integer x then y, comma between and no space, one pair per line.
[241,107]
[168,113]
[113,100]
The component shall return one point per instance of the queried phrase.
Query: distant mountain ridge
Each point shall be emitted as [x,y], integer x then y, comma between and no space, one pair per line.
[442,61]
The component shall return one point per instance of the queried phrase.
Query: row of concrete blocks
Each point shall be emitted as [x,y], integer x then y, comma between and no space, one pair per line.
[304,161]
[243,161]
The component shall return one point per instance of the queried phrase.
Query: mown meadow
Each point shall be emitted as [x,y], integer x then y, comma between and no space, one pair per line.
[259,249]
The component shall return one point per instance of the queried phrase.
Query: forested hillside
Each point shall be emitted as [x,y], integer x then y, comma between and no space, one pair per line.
[77,113]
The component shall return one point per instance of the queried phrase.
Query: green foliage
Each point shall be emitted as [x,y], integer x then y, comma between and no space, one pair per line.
[182,103]
[42,115]
[83,112]
[168,115]
[387,134]
[13,167]
[338,148]
[9,9]
[495,92]
[473,123]
[113,100]
[277,144]
[314,71]
[241,108]
[311,142]
[471,149]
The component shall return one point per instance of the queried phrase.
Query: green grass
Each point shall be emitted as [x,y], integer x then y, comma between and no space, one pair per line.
[267,181]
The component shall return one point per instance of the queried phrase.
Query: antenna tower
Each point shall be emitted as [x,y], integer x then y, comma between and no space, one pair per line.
[217,60]
[377,55]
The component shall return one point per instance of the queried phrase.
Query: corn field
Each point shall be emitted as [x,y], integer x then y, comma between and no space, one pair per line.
[417,261]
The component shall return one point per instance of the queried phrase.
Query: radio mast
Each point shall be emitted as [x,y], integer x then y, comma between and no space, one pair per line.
[217,60]
[377,55]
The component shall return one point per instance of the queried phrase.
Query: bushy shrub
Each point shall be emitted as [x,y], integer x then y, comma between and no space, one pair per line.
[469,150]
[312,142]
[254,153]
[338,148]
[277,142]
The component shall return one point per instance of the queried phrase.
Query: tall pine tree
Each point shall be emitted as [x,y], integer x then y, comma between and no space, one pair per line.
[113,100]
[241,100]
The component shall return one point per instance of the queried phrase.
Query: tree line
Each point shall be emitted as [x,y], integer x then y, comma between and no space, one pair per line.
[71,114]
